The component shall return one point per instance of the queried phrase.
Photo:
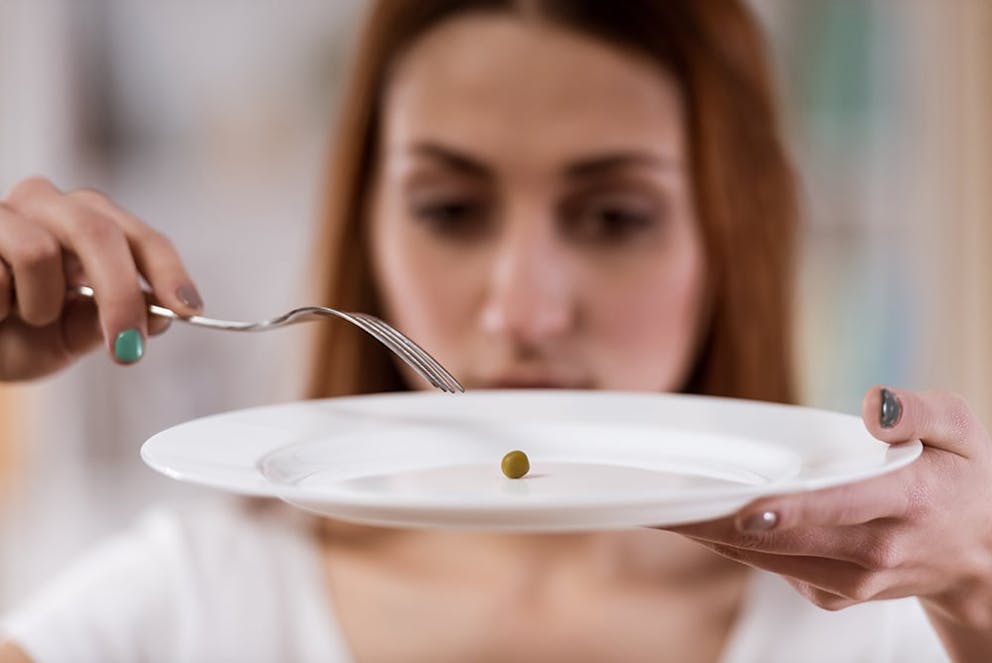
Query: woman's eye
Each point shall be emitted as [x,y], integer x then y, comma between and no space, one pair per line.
[612,224]
[452,218]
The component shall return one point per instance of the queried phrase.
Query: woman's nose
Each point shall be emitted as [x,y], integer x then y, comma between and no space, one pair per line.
[531,295]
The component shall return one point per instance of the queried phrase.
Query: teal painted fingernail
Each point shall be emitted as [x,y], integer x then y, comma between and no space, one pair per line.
[128,347]
[891,409]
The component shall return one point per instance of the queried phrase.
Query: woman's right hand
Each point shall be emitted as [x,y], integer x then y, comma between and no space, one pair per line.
[50,240]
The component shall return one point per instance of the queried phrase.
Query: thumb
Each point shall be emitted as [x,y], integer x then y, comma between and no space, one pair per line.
[940,420]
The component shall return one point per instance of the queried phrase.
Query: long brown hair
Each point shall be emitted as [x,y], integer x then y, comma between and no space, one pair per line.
[744,187]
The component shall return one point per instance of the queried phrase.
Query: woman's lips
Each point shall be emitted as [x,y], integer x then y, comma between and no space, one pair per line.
[536,382]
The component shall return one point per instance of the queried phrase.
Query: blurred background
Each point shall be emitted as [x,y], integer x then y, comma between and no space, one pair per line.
[210,120]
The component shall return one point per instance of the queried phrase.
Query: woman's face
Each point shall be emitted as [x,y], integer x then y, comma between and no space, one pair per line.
[532,220]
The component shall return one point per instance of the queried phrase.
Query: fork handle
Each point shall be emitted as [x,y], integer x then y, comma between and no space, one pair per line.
[163,312]
[87,292]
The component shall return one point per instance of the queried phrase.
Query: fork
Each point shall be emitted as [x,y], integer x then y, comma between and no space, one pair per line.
[415,356]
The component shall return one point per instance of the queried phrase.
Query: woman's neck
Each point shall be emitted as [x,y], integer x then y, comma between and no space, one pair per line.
[636,555]
[454,596]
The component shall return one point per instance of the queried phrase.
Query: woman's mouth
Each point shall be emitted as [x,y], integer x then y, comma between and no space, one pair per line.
[531,382]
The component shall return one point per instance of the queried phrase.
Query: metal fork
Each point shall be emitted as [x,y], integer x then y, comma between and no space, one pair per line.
[415,356]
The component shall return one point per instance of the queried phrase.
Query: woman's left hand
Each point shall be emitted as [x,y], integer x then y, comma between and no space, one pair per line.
[924,530]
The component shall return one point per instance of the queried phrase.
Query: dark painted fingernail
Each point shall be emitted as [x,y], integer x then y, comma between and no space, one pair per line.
[128,346]
[188,295]
[891,409]
[761,521]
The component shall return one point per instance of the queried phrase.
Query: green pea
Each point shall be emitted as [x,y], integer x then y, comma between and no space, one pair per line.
[515,464]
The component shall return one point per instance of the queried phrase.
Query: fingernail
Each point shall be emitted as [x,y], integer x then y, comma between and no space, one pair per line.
[128,346]
[891,409]
[188,295]
[761,521]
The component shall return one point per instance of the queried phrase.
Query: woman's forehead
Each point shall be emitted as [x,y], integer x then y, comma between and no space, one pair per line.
[500,84]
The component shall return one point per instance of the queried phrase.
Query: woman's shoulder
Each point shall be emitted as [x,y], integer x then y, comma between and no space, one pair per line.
[181,584]
[219,535]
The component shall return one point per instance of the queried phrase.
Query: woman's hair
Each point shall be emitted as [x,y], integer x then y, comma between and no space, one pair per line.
[745,195]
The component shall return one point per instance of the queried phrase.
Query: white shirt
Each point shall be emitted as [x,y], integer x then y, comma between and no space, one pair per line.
[228,584]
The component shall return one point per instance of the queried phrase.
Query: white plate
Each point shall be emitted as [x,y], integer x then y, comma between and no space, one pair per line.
[599,460]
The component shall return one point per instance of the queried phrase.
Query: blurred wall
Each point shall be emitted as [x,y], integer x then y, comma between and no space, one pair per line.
[889,113]
[209,120]
[954,173]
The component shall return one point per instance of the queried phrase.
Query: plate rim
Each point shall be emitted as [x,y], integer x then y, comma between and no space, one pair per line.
[896,457]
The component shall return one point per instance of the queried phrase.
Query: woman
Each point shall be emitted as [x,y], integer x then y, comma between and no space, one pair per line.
[550,194]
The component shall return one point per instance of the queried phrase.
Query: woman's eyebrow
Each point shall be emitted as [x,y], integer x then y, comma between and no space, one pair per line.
[582,168]
[605,163]
[452,158]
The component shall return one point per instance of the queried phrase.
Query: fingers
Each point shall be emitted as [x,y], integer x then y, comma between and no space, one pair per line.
[941,420]
[855,562]
[83,237]
[105,256]
[33,266]
[6,283]
[829,583]
[819,597]
[155,256]
[887,496]
[785,521]
[80,327]
[158,325]
[849,544]
[841,578]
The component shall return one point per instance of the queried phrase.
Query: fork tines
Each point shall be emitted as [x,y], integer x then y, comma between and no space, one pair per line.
[415,356]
